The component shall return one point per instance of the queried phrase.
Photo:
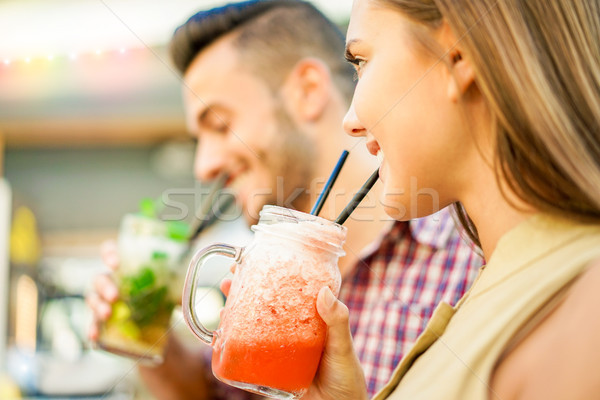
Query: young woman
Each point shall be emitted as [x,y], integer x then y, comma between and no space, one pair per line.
[493,104]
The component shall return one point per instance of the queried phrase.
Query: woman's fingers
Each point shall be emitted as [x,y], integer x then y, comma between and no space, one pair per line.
[225,286]
[340,376]
[335,314]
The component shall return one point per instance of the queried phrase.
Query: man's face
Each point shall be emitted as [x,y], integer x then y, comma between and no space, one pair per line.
[243,131]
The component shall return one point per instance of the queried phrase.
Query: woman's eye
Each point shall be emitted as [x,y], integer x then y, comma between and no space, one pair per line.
[358,67]
[358,63]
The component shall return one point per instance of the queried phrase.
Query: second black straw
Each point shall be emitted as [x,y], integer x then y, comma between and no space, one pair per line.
[358,197]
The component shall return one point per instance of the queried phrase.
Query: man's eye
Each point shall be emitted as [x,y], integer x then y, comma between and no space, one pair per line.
[219,126]
[215,123]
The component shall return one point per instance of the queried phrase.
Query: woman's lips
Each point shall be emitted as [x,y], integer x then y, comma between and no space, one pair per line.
[373,147]
[381,158]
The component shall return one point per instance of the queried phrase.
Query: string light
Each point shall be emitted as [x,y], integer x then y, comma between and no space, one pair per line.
[72,56]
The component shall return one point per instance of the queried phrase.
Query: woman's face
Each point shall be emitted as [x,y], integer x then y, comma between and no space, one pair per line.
[405,107]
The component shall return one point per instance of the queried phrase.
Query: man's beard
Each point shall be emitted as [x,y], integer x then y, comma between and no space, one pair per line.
[292,160]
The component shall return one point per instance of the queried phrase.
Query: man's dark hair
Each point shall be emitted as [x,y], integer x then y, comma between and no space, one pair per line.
[271,37]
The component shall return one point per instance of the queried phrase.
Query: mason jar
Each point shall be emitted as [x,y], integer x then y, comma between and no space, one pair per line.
[270,337]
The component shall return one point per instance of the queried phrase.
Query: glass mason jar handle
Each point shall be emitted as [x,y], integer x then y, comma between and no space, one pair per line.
[188,301]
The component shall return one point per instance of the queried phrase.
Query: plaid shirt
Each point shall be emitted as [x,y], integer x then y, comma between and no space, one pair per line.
[392,292]
[394,289]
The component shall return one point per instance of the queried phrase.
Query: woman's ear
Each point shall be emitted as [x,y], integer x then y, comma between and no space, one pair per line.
[307,89]
[461,74]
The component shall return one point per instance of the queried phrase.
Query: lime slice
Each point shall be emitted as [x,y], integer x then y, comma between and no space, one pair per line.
[120,311]
[129,330]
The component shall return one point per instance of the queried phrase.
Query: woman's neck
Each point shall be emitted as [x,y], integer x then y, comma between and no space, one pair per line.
[494,212]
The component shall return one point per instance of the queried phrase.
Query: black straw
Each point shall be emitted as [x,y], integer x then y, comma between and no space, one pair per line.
[218,208]
[329,184]
[358,197]
[207,214]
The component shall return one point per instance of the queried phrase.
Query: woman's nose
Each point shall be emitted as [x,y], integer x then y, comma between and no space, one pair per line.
[352,125]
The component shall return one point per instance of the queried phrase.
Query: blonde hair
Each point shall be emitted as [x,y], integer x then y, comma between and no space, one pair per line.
[537,64]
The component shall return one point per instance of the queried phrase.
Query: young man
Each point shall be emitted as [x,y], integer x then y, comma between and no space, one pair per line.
[265,90]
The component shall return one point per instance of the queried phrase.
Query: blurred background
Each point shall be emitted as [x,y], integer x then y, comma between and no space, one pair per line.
[91,122]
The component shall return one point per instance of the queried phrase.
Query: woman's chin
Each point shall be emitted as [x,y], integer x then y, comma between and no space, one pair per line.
[394,207]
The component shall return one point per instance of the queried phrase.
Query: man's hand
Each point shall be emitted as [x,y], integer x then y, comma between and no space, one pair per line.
[182,375]
[105,291]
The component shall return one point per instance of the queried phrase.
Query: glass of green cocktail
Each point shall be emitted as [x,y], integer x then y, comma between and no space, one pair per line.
[150,252]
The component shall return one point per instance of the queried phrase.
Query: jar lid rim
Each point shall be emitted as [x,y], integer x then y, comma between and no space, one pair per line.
[332,241]
[298,216]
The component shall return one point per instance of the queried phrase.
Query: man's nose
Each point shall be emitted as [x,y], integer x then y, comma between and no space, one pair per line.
[210,160]
[352,125]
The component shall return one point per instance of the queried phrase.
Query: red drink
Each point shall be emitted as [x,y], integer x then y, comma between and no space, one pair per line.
[274,336]
[271,338]
[288,367]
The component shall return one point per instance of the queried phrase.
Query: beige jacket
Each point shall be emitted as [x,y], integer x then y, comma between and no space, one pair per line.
[531,264]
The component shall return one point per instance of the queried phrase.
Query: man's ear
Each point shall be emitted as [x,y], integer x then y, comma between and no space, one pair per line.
[307,89]
[461,74]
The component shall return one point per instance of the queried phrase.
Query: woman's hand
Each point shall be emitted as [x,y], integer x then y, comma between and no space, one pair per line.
[340,376]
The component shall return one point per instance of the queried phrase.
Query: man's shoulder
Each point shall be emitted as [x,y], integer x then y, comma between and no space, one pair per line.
[434,230]
[441,230]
